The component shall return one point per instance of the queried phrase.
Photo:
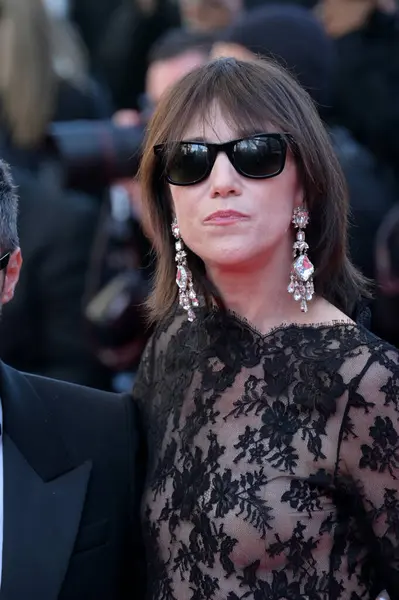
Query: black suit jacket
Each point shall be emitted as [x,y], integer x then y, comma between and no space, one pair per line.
[71,492]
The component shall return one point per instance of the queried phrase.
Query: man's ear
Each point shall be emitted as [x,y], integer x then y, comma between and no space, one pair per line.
[11,276]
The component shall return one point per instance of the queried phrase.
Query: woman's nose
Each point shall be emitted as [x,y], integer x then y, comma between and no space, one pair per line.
[224,179]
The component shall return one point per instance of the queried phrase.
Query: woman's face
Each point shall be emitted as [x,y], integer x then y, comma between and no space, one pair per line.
[266,206]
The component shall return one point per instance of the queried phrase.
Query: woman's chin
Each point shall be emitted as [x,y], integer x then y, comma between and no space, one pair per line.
[228,257]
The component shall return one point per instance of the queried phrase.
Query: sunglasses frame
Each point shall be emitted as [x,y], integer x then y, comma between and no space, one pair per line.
[4,260]
[228,149]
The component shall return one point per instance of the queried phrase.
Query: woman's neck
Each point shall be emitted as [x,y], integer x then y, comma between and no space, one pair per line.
[258,292]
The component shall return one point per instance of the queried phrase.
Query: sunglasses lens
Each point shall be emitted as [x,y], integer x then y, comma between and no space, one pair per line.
[259,157]
[189,164]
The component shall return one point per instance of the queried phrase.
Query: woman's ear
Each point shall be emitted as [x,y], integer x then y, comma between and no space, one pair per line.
[11,276]
[299,195]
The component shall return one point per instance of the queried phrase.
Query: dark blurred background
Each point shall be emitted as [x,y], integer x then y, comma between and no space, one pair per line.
[78,82]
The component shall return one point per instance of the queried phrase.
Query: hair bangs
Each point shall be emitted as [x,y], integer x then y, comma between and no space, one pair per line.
[242,96]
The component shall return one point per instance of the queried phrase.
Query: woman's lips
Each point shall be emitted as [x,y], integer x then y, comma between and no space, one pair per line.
[225,217]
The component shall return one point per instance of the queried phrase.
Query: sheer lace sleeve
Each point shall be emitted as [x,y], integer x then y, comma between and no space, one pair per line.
[368,463]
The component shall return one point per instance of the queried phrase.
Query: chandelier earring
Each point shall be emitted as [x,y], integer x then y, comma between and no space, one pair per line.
[184,279]
[301,278]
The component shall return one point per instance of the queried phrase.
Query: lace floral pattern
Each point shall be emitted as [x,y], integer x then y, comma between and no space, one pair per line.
[274,461]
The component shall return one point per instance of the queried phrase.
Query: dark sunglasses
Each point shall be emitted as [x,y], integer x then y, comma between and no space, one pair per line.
[4,260]
[258,157]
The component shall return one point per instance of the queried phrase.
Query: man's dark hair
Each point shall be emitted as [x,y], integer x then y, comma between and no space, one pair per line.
[8,210]
[179,41]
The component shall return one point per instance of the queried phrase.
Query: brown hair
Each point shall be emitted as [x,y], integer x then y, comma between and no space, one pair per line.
[251,94]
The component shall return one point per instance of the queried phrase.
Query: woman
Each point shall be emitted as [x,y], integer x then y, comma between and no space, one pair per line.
[272,430]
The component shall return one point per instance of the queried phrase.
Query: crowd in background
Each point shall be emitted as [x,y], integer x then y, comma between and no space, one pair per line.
[79,80]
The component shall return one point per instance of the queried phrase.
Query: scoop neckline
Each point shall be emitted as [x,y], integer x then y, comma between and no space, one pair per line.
[284,326]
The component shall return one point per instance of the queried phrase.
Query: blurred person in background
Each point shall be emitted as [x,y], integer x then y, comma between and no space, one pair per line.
[174,55]
[92,18]
[123,54]
[366,82]
[35,86]
[71,473]
[43,331]
[293,36]
[71,61]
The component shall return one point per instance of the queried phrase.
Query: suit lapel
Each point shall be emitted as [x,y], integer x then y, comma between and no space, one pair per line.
[44,494]
[40,525]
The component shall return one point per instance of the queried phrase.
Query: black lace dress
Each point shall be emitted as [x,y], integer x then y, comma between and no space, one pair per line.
[273,461]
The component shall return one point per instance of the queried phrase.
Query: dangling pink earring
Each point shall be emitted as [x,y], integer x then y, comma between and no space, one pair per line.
[184,279]
[301,280]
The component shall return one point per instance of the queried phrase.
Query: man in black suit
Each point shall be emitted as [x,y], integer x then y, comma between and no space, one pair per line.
[70,474]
